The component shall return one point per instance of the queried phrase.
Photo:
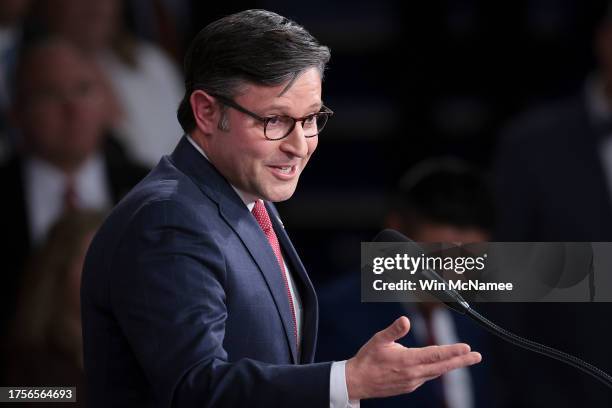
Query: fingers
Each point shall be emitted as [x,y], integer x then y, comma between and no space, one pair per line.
[383,368]
[434,354]
[398,329]
[436,369]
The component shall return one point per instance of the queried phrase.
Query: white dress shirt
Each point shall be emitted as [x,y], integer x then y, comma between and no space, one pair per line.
[338,393]
[45,187]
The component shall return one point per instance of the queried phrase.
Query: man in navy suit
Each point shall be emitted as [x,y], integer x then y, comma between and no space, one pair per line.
[192,293]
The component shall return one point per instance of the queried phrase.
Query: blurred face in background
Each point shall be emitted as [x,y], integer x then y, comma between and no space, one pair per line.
[91,25]
[60,105]
[425,230]
[432,232]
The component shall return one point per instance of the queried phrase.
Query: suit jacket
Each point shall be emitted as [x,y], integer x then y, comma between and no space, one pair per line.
[122,175]
[184,304]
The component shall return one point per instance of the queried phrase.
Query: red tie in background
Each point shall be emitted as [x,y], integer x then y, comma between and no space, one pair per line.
[70,196]
[263,219]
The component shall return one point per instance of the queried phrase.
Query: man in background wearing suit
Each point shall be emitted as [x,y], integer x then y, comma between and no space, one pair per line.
[192,293]
[65,160]
[438,200]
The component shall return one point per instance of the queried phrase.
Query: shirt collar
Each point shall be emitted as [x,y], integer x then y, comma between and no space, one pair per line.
[92,169]
[248,199]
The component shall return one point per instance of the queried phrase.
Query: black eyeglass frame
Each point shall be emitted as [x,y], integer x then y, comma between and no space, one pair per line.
[324,111]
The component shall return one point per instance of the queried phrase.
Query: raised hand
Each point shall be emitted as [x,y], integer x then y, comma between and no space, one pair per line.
[383,368]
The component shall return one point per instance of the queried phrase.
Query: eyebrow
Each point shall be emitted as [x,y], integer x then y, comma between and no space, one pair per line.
[318,105]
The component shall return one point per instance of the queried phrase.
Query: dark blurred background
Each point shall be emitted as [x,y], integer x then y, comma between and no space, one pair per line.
[518,93]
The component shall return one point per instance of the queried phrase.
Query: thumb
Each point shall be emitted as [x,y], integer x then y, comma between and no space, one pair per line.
[395,331]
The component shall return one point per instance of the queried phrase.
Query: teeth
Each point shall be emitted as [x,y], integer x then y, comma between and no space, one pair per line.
[285,169]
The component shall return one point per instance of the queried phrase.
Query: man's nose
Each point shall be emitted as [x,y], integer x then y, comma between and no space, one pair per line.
[295,143]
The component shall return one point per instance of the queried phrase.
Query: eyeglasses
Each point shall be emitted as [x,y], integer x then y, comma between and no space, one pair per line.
[280,126]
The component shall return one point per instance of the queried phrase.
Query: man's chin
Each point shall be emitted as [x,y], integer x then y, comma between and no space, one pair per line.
[277,195]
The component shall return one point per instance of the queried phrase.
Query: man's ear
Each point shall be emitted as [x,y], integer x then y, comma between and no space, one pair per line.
[205,110]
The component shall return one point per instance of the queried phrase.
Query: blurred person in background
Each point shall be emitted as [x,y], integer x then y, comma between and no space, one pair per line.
[438,200]
[45,346]
[554,162]
[145,80]
[12,13]
[553,182]
[66,160]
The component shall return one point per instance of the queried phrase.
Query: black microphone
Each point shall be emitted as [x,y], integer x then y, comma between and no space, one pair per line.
[453,299]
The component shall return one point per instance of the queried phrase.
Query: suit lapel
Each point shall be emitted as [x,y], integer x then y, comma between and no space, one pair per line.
[245,225]
[307,294]
[238,217]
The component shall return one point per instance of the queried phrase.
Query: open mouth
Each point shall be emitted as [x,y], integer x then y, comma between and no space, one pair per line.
[284,172]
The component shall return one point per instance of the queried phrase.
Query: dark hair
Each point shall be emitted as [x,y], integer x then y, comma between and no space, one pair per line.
[446,191]
[253,46]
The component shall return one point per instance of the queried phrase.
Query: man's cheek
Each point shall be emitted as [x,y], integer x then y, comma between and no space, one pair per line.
[312,145]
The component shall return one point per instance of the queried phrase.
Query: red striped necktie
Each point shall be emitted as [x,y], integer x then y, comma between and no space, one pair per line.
[263,219]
